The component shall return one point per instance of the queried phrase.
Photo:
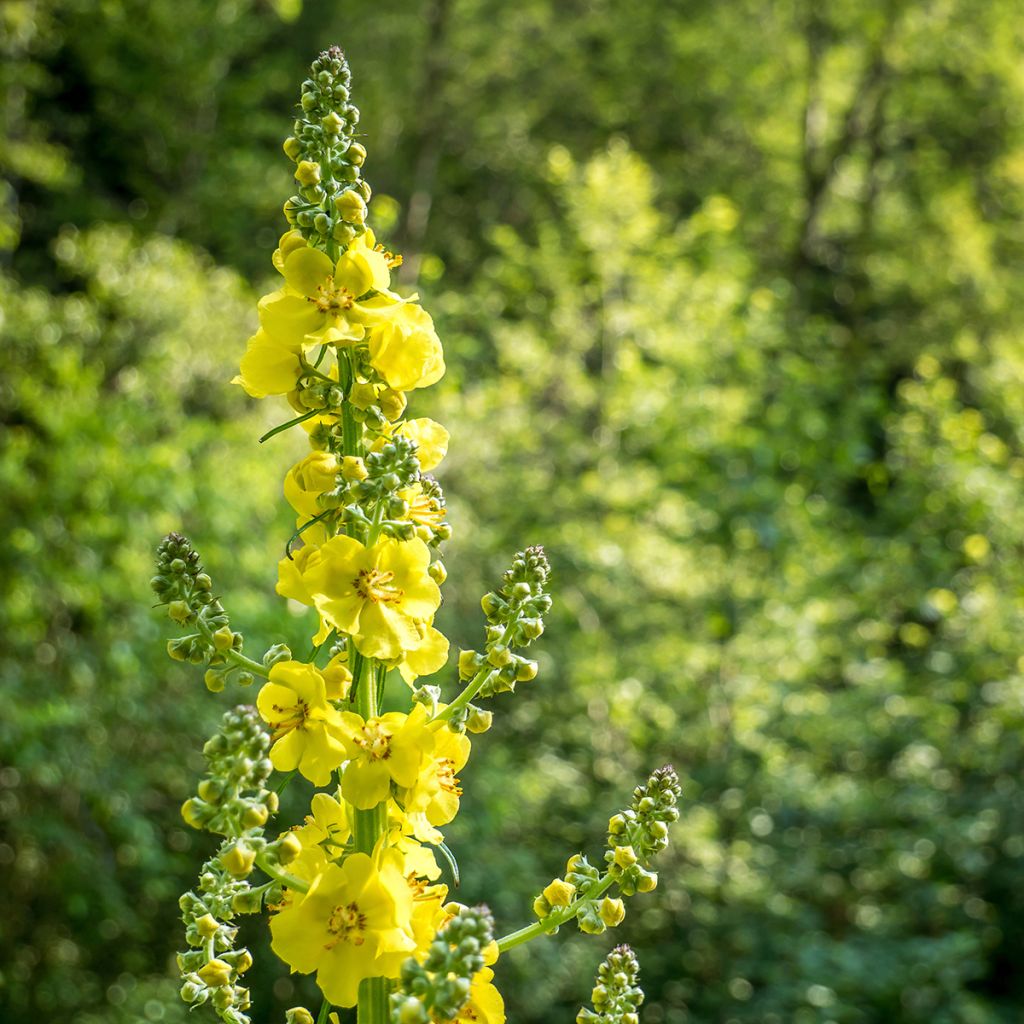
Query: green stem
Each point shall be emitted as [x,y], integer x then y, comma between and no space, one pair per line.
[554,920]
[472,689]
[367,828]
[325,1009]
[257,668]
[281,876]
[373,1001]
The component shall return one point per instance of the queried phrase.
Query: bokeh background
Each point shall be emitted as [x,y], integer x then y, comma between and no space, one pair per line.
[733,306]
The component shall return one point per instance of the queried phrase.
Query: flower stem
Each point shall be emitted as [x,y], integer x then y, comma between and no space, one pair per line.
[281,876]
[554,920]
[367,828]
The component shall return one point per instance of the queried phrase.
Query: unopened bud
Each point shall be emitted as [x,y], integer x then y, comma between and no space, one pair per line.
[526,670]
[238,860]
[479,720]
[292,148]
[438,573]
[559,893]
[351,207]
[214,680]
[254,816]
[179,611]
[499,655]
[332,123]
[308,173]
[207,925]
[216,973]
[288,848]
[612,911]
[356,154]
[299,1015]
[191,811]
[541,906]
[647,881]
[625,856]
[353,468]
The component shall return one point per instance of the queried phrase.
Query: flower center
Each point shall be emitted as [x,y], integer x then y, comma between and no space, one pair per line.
[346,924]
[446,776]
[331,299]
[293,717]
[373,585]
[376,741]
[392,259]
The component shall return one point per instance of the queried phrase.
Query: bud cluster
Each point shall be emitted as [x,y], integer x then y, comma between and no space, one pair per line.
[514,620]
[331,201]
[212,966]
[637,834]
[233,798]
[438,988]
[181,584]
[616,996]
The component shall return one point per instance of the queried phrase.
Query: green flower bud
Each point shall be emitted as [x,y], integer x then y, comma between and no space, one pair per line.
[356,154]
[351,207]
[478,720]
[525,670]
[298,1015]
[216,973]
[438,573]
[238,860]
[559,893]
[207,925]
[541,906]
[255,816]
[214,680]
[308,173]
[179,611]
[332,124]
[292,148]
[288,847]
[499,655]
[612,911]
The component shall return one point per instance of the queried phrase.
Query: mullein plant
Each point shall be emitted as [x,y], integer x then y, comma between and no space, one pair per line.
[355,892]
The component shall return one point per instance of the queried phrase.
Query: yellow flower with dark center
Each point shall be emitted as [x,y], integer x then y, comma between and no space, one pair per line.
[433,798]
[381,750]
[322,301]
[354,923]
[378,595]
[305,729]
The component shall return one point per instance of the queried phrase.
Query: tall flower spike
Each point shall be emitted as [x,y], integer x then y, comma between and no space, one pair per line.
[616,996]
[331,204]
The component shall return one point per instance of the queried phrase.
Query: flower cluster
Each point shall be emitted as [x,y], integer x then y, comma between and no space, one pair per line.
[355,890]
[635,835]
[616,996]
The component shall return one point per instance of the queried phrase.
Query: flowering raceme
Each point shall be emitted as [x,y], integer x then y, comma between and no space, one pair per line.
[356,891]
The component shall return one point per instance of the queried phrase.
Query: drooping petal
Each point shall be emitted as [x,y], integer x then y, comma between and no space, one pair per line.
[307,269]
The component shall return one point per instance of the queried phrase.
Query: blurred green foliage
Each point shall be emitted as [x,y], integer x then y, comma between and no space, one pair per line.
[732,307]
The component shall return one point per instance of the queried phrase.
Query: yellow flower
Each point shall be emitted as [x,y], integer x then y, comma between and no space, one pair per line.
[290,241]
[338,677]
[381,750]
[321,300]
[485,1004]
[433,799]
[270,366]
[428,657]
[354,923]
[308,479]
[306,730]
[425,510]
[378,595]
[405,349]
[291,582]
